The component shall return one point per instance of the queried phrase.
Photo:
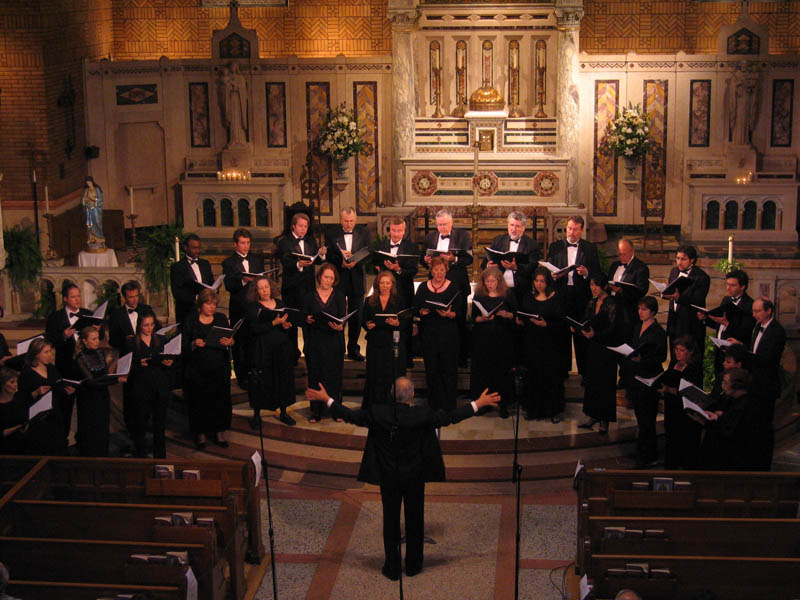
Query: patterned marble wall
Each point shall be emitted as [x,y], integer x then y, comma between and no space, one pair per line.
[318,102]
[654,175]
[606,103]
[365,101]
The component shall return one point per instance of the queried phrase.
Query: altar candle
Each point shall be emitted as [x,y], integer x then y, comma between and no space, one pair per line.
[177,249]
[130,194]
[513,60]
[46,201]
[730,249]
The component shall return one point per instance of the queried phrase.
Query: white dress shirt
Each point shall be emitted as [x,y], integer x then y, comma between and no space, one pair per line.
[760,335]
[572,255]
[245,262]
[508,274]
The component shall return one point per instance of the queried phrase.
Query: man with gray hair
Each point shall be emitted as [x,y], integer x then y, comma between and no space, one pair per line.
[4,577]
[627,595]
[401,454]
[455,246]
[517,272]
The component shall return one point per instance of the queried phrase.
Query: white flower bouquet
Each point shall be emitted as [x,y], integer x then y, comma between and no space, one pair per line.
[626,136]
[339,136]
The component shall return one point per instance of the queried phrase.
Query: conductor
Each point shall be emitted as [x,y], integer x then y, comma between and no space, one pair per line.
[401,454]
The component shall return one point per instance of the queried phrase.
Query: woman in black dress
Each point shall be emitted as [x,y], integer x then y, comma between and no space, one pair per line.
[650,342]
[13,414]
[271,380]
[493,338]
[207,378]
[40,376]
[94,401]
[545,394]
[382,367]
[150,383]
[603,329]
[681,432]
[323,338]
[729,440]
[439,333]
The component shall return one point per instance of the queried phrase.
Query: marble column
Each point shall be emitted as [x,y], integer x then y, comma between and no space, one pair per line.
[403,16]
[568,15]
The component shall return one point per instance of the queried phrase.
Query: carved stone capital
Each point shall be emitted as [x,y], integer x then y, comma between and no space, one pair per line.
[403,19]
[568,14]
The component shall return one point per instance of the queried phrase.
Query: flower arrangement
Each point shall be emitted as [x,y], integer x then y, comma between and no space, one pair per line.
[626,136]
[339,136]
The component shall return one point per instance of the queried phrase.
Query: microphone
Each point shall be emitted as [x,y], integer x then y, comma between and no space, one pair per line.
[396,343]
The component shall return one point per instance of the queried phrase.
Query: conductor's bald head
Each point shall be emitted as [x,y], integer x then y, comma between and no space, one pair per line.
[404,390]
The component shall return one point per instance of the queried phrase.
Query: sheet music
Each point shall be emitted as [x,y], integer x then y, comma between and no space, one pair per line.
[167,329]
[124,364]
[173,346]
[22,347]
[41,405]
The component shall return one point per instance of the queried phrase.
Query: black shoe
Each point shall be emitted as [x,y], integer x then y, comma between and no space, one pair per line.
[411,571]
[503,412]
[255,423]
[356,356]
[555,419]
[529,417]
[391,574]
[286,419]
[588,424]
[199,444]
[603,427]
[220,442]
[646,463]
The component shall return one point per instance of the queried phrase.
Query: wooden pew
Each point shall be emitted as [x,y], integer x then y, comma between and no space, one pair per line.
[124,522]
[65,590]
[102,561]
[729,577]
[774,538]
[720,494]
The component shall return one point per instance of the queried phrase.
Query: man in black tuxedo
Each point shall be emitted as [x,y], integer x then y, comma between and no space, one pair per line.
[444,240]
[60,332]
[241,261]
[768,341]
[518,277]
[401,454]
[344,240]
[184,276]
[122,326]
[404,269]
[737,322]
[298,275]
[573,287]
[682,318]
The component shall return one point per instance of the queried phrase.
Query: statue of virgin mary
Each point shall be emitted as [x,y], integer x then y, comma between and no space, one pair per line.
[92,202]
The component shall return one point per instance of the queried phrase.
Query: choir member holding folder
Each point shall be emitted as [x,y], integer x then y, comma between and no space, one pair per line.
[438,306]
[515,254]
[681,432]
[383,318]
[41,376]
[682,319]
[207,379]
[271,353]
[493,307]
[542,314]
[93,401]
[150,383]
[188,276]
[24,430]
[649,344]
[298,253]
[324,337]
[602,328]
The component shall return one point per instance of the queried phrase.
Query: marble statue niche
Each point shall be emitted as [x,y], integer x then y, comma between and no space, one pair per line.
[742,105]
[233,90]
[92,202]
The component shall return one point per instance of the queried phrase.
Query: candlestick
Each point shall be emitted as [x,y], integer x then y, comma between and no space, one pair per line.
[177,249]
[130,194]
[46,200]
[730,249]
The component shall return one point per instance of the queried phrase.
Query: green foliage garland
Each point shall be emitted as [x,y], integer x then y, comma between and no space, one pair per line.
[24,260]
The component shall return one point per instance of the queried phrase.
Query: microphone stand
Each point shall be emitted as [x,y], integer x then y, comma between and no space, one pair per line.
[516,475]
[395,358]
[265,473]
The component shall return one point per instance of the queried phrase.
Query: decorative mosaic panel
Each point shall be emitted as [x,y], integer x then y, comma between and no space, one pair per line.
[743,41]
[782,106]
[234,46]
[699,112]
[276,114]
[198,115]
[508,186]
[318,103]
[365,101]
[146,93]
[606,101]
[654,178]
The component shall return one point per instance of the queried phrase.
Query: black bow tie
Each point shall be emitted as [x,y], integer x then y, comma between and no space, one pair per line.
[736,300]
[760,329]
[192,261]
[300,239]
[516,241]
[71,314]
[394,245]
[348,233]
[444,237]
[571,245]
[686,272]
[623,265]
[131,311]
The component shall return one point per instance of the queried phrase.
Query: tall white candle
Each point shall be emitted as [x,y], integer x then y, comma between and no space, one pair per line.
[46,200]
[177,249]
[730,249]
[130,194]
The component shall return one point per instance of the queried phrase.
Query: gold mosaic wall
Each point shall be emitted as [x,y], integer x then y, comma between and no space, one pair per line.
[618,26]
